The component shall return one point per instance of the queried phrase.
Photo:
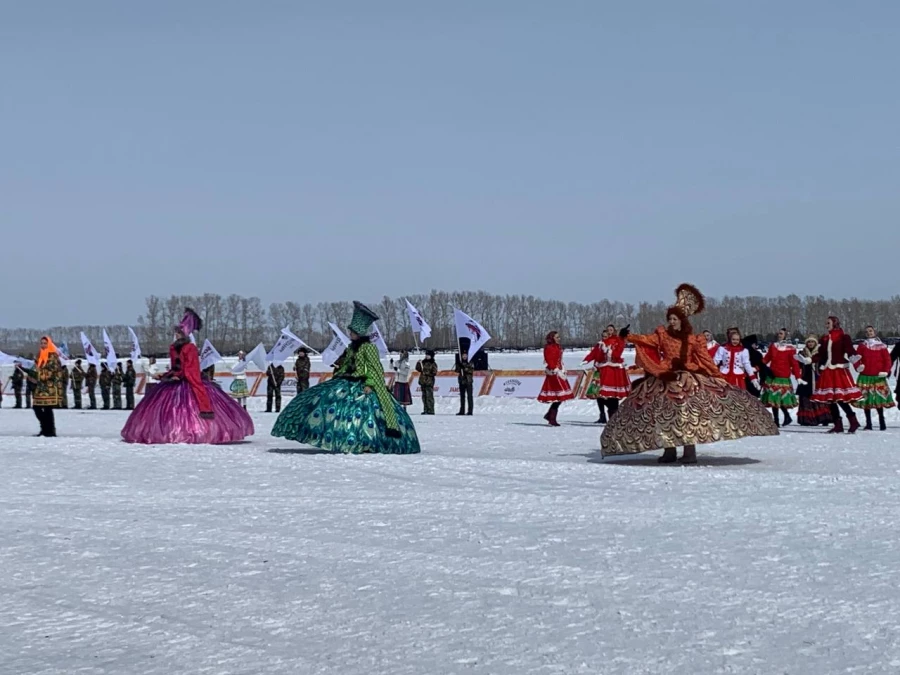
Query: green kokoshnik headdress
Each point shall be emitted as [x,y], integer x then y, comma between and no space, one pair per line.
[362,320]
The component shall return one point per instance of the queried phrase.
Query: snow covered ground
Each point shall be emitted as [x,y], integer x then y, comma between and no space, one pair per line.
[505,547]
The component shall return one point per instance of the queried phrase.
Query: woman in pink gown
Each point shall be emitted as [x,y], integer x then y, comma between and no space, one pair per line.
[184,408]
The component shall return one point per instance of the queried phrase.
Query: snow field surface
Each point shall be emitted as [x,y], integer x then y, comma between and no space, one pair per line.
[505,547]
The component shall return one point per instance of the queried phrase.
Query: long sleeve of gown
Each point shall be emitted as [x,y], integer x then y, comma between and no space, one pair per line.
[190,372]
[648,352]
[705,363]
[369,368]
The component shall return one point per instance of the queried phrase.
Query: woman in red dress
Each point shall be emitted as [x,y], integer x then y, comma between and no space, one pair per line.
[556,387]
[615,384]
[733,360]
[835,385]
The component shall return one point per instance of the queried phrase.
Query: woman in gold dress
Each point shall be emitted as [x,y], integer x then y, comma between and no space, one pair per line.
[683,400]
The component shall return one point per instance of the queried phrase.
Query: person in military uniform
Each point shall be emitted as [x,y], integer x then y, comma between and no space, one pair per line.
[274,380]
[128,382]
[18,380]
[29,386]
[466,377]
[118,377]
[105,384]
[90,381]
[302,368]
[428,370]
[77,383]
[63,386]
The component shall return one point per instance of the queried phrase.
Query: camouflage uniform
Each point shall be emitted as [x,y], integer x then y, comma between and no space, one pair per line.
[117,378]
[302,368]
[105,384]
[274,380]
[428,370]
[466,379]
[128,382]
[77,384]
[63,386]
[17,381]
[90,381]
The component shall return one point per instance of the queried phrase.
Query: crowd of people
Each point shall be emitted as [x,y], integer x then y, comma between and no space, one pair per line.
[692,390]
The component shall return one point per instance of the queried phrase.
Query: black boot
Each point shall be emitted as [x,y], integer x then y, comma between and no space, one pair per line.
[775,417]
[669,456]
[613,404]
[881,423]
[868,426]
[602,407]
[787,417]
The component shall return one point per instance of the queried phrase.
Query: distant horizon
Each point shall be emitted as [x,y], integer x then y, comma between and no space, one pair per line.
[315,303]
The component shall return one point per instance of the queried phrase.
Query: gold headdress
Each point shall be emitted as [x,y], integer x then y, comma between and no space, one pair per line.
[688,301]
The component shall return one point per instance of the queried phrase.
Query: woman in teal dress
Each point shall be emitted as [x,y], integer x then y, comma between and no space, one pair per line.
[353,412]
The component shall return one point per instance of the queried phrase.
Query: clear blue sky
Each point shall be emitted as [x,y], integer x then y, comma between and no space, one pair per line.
[338,150]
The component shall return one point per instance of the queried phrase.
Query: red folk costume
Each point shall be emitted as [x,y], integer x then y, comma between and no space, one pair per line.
[614,381]
[874,367]
[782,360]
[556,387]
[713,348]
[778,391]
[734,365]
[610,379]
[835,383]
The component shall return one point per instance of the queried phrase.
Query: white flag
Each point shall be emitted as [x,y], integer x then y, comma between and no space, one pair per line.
[7,360]
[336,347]
[287,344]
[111,359]
[208,355]
[467,327]
[375,336]
[135,345]
[90,354]
[419,325]
[258,357]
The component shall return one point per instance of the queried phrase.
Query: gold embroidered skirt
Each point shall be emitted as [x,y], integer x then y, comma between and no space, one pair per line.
[691,410]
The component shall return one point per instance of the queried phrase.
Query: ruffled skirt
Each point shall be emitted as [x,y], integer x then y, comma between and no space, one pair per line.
[169,413]
[555,388]
[835,385]
[402,394]
[813,414]
[778,392]
[339,416]
[239,389]
[693,409]
[876,394]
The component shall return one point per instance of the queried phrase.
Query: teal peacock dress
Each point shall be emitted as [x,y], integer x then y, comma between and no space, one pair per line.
[338,415]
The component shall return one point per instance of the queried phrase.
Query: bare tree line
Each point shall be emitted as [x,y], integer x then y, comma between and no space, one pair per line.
[515,321]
